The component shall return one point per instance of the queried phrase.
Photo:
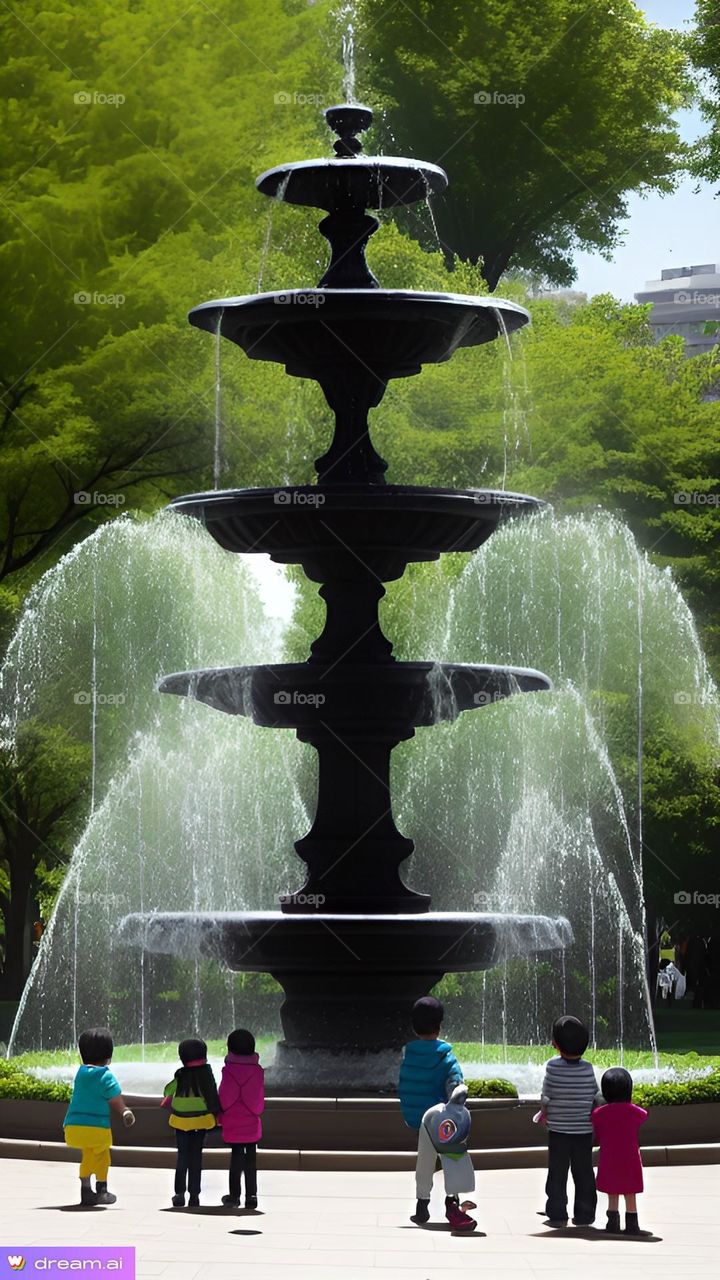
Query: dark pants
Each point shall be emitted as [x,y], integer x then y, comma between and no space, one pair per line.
[189,1160]
[243,1161]
[570,1151]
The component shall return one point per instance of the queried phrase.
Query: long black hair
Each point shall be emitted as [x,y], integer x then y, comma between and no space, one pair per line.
[616,1085]
[189,1079]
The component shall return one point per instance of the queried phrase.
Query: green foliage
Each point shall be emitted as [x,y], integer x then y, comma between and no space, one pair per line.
[18,1084]
[592,93]
[704,43]
[491,1089]
[706,1089]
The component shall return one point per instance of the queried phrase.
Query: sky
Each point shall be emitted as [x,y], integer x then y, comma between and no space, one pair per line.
[674,230]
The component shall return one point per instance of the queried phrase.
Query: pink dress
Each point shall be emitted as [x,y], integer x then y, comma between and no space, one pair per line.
[616,1127]
[242,1098]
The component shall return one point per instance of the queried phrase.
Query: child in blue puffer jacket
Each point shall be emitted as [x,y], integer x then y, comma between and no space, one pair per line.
[428,1074]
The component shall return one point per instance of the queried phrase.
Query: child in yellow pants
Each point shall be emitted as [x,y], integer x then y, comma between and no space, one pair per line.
[96,1093]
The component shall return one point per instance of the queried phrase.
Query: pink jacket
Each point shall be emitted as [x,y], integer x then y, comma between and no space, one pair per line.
[242,1098]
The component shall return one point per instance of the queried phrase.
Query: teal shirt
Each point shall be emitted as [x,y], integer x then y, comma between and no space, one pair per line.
[92,1091]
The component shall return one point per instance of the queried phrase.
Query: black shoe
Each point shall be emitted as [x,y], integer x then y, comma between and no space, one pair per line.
[421,1214]
[557,1222]
[250,1202]
[583,1222]
[194,1202]
[88,1197]
[103,1195]
[613,1221]
[232,1202]
[631,1225]
[178,1202]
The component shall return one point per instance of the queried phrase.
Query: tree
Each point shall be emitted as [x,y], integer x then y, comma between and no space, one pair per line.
[134,134]
[546,115]
[42,784]
[705,54]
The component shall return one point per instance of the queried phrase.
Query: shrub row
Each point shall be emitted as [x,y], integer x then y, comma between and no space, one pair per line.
[16,1083]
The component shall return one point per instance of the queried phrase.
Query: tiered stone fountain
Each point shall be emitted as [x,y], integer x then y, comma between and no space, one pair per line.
[354,947]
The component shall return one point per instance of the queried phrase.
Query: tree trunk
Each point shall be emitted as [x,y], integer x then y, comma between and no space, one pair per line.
[18,944]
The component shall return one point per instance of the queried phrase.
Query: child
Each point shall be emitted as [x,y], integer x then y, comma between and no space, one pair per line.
[448,1127]
[95,1094]
[428,1075]
[242,1098]
[193,1101]
[569,1092]
[616,1128]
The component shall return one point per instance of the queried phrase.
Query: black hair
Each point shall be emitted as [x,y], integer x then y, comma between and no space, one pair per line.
[570,1035]
[427,1015]
[96,1046]
[241,1042]
[616,1085]
[189,1050]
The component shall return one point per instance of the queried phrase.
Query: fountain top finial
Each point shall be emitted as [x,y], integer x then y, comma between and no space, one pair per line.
[347,120]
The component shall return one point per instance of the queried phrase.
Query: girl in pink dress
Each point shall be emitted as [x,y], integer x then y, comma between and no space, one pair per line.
[616,1127]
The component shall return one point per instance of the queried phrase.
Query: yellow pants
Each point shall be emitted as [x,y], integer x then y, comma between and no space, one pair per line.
[94,1144]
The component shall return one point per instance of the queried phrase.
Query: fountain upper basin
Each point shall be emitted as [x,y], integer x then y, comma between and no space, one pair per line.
[365,182]
[389,333]
[387,526]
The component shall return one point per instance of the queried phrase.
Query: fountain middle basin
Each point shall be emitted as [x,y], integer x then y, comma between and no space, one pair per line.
[346,977]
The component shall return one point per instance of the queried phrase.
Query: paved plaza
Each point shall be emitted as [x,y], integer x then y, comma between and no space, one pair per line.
[347,1226]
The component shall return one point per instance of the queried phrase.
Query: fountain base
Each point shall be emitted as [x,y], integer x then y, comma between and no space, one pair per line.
[349,980]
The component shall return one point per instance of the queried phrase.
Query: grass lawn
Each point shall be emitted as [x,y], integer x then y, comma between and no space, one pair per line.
[686,1038]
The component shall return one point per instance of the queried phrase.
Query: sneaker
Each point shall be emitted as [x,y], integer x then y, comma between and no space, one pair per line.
[194,1202]
[458,1220]
[178,1202]
[232,1202]
[421,1214]
[88,1197]
[250,1202]
[105,1197]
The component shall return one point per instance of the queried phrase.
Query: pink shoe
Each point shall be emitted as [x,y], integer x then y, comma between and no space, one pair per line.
[459,1221]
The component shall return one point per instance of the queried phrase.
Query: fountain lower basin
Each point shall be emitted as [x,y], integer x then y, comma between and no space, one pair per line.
[349,979]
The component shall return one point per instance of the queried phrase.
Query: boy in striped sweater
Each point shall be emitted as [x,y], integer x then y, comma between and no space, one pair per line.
[569,1093]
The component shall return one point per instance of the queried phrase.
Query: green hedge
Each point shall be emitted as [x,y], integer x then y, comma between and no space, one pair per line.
[706,1089]
[15,1083]
[491,1089]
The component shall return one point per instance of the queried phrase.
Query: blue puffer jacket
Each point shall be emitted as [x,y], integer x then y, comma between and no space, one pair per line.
[428,1074]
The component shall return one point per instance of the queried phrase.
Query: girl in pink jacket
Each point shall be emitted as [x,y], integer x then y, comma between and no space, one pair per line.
[242,1100]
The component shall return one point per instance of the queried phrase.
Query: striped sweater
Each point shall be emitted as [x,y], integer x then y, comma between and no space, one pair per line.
[569,1091]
